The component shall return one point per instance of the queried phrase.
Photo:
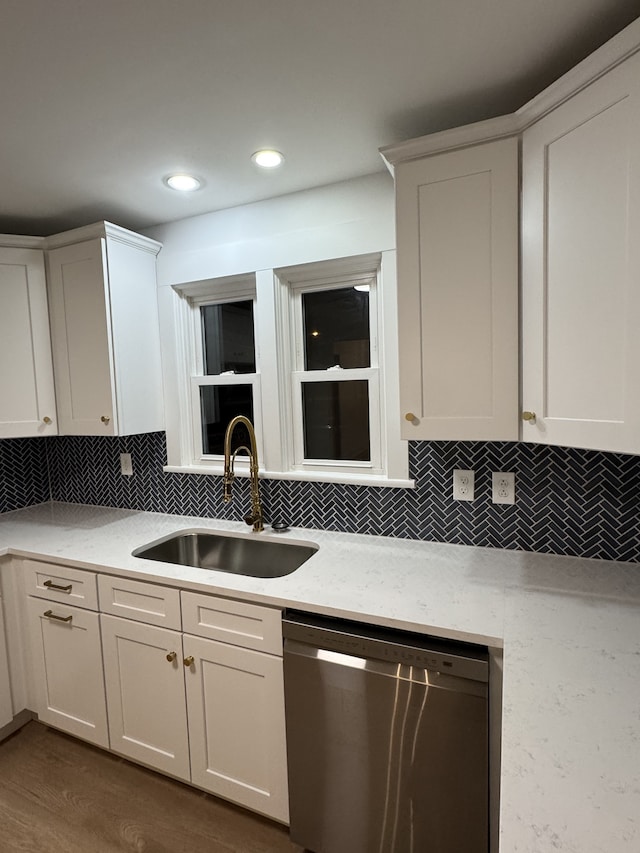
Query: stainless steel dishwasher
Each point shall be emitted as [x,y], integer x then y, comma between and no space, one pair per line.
[387,739]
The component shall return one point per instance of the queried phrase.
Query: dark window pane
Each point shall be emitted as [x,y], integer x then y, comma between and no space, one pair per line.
[336,328]
[227,336]
[219,404]
[336,420]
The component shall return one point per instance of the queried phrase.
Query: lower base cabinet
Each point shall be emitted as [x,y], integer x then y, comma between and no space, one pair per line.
[145,694]
[66,657]
[190,684]
[200,710]
[6,706]
[235,701]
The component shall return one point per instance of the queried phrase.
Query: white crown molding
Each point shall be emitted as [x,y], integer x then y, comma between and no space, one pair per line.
[131,238]
[448,140]
[607,57]
[103,229]
[19,241]
[356,265]
[227,287]
[612,53]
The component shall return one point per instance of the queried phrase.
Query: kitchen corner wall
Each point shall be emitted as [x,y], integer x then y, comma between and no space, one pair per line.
[568,501]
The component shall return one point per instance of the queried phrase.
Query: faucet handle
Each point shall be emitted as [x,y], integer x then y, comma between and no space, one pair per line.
[226,486]
[255,518]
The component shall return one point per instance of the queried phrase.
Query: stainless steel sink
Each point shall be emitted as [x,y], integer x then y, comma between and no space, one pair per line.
[225,552]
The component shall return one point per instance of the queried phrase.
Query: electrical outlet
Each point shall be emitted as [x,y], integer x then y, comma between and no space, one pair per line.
[463,485]
[503,488]
[126,468]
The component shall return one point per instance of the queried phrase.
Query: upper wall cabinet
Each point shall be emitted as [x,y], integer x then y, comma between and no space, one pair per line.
[581,268]
[457,241]
[27,399]
[105,333]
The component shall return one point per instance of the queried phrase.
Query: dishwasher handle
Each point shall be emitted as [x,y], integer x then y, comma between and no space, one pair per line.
[388,646]
[369,668]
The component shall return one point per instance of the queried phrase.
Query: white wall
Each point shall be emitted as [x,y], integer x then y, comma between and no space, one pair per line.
[350,218]
[354,217]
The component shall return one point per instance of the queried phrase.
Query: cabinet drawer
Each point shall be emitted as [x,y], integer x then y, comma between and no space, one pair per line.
[61,583]
[235,622]
[144,602]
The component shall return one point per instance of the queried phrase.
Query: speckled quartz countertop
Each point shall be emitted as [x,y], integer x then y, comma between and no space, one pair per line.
[570,630]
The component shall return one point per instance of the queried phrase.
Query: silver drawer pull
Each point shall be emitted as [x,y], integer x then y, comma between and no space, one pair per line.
[52,585]
[51,615]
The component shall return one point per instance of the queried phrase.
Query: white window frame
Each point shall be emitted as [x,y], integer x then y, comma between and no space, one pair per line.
[198,295]
[278,329]
[321,277]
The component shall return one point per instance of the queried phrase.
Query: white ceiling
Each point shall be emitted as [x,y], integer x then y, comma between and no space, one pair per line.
[103,98]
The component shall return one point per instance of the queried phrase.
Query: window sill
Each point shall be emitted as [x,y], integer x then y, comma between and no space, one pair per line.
[300,476]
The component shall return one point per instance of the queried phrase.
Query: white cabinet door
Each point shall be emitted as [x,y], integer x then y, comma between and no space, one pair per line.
[581,268]
[105,334]
[145,694]
[27,400]
[6,705]
[80,323]
[457,240]
[66,656]
[235,700]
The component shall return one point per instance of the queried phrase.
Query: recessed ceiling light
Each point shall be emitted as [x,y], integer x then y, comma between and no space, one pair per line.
[183,183]
[267,158]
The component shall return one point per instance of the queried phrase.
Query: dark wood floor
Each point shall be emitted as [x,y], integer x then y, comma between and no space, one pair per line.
[59,795]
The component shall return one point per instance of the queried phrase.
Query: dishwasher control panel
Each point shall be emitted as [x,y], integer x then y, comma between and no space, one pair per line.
[395,647]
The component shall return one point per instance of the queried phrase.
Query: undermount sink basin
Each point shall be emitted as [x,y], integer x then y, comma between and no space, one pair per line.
[228,552]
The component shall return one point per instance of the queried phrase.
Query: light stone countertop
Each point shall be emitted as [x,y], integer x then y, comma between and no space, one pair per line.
[570,629]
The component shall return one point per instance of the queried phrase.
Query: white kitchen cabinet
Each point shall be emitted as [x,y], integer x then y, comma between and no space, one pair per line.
[143,667]
[457,256]
[27,397]
[581,268]
[66,659]
[6,704]
[226,733]
[207,711]
[140,601]
[105,332]
[237,623]
[61,584]
[235,700]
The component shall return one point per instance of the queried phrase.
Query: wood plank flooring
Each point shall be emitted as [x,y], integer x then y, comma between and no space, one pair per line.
[60,795]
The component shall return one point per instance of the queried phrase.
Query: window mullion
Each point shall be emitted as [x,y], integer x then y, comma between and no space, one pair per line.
[271,324]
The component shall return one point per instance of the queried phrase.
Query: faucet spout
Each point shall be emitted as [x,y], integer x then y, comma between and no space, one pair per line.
[255,517]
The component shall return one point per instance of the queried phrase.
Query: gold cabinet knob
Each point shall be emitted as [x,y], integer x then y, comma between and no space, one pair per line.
[189,661]
[530,417]
[47,420]
[105,419]
[410,417]
[172,656]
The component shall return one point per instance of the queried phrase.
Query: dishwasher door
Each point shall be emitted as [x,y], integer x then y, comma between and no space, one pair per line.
[387,741]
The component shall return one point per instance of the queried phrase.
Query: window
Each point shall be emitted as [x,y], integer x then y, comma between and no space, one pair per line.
[335,372]
[229,359]
[298,350]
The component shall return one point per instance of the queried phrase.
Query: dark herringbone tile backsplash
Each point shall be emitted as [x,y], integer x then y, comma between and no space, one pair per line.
[24,479]
[568,501]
